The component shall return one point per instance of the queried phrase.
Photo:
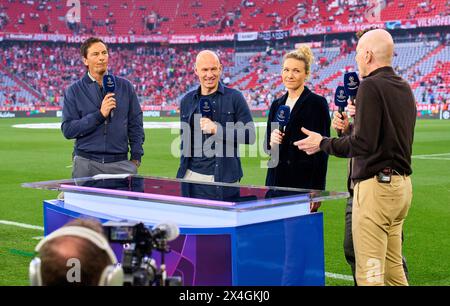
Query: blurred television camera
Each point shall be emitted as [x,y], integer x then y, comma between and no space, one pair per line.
[138,241]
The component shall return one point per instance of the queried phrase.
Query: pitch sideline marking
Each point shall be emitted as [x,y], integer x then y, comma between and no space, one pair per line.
[22,225]
[439,156]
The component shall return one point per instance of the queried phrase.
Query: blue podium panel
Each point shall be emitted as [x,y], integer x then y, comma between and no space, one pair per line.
[229,234]
[282,252]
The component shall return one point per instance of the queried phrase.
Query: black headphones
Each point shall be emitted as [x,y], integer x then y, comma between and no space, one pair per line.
[112,275]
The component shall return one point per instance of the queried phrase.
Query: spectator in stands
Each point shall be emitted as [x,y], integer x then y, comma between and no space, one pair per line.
[431,97]
[288,166]
[102,124]
[76,254]
[210,145]
[4,19]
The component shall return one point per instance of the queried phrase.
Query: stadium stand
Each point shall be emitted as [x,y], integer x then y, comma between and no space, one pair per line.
[163,75]
[143,17]
[34,74]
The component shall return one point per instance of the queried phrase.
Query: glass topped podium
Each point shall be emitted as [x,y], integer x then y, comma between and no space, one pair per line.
[231,234]
[222,196]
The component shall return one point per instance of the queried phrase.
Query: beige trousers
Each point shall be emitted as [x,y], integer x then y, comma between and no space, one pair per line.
[379,210]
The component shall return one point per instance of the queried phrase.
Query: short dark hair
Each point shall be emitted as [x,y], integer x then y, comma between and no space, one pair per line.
[92,259]
[88,43]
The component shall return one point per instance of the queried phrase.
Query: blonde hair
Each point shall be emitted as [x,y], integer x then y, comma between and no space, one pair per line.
[303,53]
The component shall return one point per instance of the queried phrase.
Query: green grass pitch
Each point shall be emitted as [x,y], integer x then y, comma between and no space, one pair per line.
[28,155]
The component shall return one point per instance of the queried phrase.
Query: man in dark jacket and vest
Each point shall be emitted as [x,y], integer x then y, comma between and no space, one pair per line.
[210,143]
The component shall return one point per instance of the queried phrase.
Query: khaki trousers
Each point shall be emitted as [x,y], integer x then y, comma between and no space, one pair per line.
[379,210]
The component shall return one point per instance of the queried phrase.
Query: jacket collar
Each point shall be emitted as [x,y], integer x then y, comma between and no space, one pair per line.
[87,78]
[388,69]
[298,104]
[305,93]
[220,89]
[93,89]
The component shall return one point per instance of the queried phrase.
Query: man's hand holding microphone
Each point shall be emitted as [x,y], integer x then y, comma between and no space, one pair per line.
[108,104]
[207,125]
[341,121]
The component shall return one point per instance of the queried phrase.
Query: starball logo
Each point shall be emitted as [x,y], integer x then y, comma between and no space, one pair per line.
[110,82]
[205,106]
[341,95]
[281,115]
[351,83]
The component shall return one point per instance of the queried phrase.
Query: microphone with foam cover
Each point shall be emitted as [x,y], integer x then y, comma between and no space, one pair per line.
[109,84]
[351,85]
[282,116]
[205,108]
[340,99]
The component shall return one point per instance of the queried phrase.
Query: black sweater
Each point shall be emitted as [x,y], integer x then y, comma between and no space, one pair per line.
[295,168]
[384,127]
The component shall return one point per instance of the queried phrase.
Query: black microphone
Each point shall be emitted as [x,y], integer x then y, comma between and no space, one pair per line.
[282,116]
[109,84]
[351,84]
[205,108]
[167,231]
[340,100]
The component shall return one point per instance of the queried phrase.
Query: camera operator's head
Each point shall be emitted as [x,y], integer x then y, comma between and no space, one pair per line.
[77,254]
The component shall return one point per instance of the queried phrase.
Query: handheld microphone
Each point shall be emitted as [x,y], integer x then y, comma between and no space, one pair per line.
[205,108]
[167,231]
[340,99]
[351,84]
[109,84]
[282,116]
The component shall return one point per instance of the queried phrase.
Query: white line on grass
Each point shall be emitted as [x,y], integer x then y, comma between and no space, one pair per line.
[440,156]
[24,225]
[339,276]
[426,155]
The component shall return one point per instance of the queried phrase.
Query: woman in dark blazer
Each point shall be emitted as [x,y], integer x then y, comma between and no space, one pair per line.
[294,167]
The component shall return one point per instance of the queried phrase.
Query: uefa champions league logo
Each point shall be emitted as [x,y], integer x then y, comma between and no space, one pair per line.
[351,83]
[341,95]
[205,106]
[281,115]
[109,82]
[446,115]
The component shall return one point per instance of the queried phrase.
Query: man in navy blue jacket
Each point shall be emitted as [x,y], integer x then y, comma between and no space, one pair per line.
[104,126]
[210,144]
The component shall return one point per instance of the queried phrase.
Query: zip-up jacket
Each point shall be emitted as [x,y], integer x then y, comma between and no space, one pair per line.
[98,138]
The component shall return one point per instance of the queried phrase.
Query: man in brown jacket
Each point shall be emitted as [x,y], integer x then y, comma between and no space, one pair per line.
[381,147]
